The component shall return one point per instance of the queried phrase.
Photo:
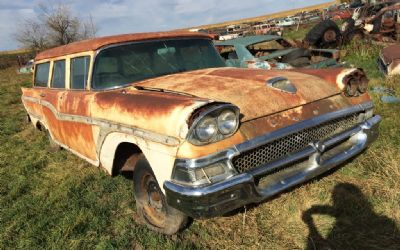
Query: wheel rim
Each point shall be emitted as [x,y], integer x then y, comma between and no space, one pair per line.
[330,36]
[153,207]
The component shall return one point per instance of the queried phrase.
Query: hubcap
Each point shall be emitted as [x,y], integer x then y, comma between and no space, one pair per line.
[330,36]
[153,209]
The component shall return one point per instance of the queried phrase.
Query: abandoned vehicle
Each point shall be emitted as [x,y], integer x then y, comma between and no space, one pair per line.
[202,139]
[273,52]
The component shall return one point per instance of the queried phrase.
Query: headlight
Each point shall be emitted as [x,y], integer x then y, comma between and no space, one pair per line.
[356,83]
[213,124]
[206,129]
[227,122]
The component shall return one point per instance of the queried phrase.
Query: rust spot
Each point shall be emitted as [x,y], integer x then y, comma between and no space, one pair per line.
[76,103]
[79,137]
[142,103]
[246,88]
[329,75]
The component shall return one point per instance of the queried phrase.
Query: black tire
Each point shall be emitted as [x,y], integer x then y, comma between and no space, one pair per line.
[325,34]
[151,204]
[295,54]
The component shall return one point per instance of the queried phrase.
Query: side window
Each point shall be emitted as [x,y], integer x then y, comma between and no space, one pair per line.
[42,74]
[58,79]
[79,72]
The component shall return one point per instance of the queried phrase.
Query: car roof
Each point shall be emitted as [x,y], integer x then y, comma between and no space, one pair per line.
[97,43]
[248,40]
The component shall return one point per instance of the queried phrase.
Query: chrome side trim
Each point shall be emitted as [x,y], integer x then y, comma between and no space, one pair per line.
[93,162]
[107,125]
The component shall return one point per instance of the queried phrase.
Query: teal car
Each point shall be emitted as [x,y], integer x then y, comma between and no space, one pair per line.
[274,52]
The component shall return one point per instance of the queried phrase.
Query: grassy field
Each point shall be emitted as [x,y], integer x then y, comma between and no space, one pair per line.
[58,201]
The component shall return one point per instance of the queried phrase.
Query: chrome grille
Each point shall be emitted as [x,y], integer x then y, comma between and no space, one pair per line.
[292,143]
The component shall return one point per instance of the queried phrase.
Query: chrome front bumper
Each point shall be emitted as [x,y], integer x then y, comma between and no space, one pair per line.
[256,185]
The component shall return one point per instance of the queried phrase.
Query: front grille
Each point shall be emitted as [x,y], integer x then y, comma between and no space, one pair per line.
[292,143]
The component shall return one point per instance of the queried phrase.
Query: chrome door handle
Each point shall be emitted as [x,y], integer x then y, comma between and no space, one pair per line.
[42,94]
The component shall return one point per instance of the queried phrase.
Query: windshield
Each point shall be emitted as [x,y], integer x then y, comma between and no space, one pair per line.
[123,64]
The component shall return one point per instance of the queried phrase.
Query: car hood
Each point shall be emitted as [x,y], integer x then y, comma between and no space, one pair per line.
[245,88]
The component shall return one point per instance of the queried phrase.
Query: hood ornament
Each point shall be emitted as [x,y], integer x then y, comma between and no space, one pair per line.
[283,84]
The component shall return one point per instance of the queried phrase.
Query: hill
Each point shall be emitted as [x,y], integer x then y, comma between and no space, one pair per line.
[264,17]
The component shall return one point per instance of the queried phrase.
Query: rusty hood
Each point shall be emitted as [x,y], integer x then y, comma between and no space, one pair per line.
[246,88]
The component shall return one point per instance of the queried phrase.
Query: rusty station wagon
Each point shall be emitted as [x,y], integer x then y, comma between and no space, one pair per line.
[202,139]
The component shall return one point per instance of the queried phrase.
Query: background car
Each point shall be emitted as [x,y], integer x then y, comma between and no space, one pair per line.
[271,51]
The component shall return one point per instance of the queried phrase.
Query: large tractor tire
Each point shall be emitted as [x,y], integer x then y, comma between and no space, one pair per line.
[326,34]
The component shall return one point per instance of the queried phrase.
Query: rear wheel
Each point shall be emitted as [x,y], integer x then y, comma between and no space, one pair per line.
[151,203]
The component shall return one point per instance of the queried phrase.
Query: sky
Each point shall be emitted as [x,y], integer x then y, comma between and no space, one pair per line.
[130,16]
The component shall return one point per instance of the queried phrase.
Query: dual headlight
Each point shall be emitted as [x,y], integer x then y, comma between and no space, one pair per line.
[207,125]
[356,83]
[214,124]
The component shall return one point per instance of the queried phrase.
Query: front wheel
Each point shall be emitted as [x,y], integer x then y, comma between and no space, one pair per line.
[151,203]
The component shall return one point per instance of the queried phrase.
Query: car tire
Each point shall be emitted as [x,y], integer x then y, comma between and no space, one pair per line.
[151,204]
[295,54]
[325,34]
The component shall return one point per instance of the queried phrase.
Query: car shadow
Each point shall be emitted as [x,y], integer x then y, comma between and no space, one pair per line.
[356,226]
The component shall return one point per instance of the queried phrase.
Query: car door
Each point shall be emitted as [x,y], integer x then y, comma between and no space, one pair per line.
[32,97]
[50,100]
[76,126]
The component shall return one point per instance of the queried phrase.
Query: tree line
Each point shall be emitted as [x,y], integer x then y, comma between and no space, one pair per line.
[54,26]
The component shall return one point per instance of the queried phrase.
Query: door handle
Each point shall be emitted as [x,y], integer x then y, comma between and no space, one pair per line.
[42,94]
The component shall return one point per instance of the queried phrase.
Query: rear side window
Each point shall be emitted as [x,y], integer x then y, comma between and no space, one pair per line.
[79,72]
[42,74]
[58,79]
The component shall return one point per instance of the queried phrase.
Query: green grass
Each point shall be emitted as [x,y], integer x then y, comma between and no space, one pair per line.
[57,201]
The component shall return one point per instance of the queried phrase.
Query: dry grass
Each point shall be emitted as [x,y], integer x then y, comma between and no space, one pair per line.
[14,52]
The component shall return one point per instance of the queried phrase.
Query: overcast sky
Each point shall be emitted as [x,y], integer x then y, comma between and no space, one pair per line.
[128,16]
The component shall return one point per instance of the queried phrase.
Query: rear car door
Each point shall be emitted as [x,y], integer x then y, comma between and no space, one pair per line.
[51,97]
[76,126]
[32,97]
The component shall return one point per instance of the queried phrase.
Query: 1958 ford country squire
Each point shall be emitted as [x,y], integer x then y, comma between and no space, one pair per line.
[201,139]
